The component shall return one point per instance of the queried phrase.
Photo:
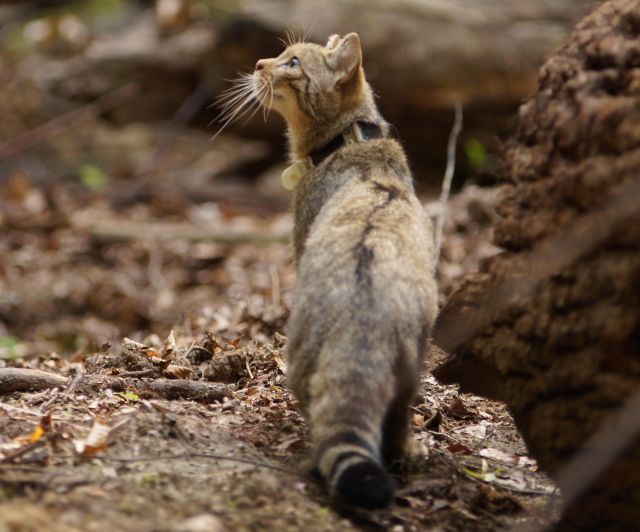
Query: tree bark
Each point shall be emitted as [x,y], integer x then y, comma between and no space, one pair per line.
[551,326]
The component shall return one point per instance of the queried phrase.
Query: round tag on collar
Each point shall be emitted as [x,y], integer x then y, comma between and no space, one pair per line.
[293,173]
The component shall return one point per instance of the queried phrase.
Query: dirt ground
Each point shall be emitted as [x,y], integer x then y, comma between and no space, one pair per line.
[143,264]
[111,450]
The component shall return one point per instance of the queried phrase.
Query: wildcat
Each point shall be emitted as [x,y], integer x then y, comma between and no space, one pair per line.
[365,298]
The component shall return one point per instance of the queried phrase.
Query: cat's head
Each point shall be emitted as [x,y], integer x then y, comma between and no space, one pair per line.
[319,90]
[313,83]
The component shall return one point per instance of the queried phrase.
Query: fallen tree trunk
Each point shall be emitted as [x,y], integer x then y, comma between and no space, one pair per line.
[551,326]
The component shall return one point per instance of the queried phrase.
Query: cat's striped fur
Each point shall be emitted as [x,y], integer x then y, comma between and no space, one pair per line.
[365,298]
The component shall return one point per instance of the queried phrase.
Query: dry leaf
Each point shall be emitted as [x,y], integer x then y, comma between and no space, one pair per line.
[281,363]
[458,448]
[162,363]
[131,346]
[458,410]
[43,427]
[500,456]
[417,420]
[176,372]
[414,502]
[37,433]
[294,443]
[95,441]
[169,345]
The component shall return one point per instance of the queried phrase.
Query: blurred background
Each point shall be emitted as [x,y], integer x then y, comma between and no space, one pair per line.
[119,215]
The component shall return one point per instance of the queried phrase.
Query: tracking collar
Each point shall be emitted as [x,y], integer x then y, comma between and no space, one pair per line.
[356,133]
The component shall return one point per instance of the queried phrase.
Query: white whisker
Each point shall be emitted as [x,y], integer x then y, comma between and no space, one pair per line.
[240,85]
[257,108]
[244,97]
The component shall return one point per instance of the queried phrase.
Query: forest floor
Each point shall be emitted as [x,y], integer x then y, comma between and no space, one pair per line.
[174,412]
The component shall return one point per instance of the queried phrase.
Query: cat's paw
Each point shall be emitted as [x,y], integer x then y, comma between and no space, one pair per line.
[414,458]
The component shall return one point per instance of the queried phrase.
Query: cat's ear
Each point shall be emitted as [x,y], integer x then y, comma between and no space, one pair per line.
[333,41]
[346,57]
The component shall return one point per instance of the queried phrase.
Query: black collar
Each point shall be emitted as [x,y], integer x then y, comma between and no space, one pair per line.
[361,130]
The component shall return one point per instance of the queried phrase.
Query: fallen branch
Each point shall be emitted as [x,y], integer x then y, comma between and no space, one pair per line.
[203,392]
[169,389]
[22,380]
[124,232]
[26,449]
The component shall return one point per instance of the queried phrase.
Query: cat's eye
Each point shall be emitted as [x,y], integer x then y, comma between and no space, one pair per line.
[293,63]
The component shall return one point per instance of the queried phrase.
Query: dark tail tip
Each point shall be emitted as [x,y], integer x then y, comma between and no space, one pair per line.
[365,484]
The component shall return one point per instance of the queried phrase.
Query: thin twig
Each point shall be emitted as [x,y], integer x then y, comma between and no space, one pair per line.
[54,398]
[448,178]
[74,382]
[509,487]
[155,161]
[246,363]
[26,449]
[275,285]
[17,409]
[138,374]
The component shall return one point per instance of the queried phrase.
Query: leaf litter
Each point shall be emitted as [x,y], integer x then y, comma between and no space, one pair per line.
[238,460]
[175,414]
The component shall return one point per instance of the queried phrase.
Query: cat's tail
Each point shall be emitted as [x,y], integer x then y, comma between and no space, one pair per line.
[355,475]
[347,415]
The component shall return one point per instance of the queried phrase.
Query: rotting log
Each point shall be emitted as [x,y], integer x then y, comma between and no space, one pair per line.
[551,326]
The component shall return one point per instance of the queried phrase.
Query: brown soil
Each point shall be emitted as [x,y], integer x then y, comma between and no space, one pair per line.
[179,464]
[236,464]
[93,218]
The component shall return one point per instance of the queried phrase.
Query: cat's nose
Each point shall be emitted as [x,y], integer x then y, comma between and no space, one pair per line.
[260,65]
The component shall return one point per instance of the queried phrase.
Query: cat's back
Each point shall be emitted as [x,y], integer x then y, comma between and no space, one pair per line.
[368,249]
[361,210]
